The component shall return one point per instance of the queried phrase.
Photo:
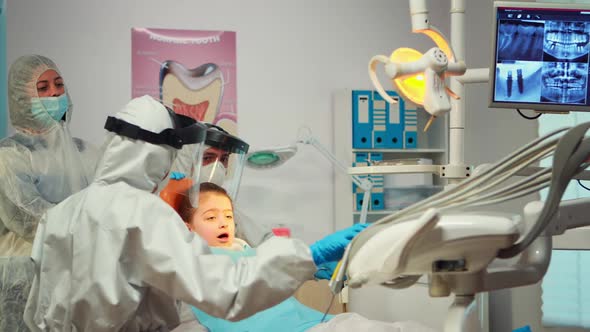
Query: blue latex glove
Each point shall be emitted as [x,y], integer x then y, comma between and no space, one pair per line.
[177,176]
[331,248]
[326,270]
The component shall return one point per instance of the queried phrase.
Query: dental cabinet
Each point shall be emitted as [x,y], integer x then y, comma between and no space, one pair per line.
[369,131]
[378,302]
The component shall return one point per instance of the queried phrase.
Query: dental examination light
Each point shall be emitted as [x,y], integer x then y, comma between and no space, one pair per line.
[274,157]
[270,158]
[421,77]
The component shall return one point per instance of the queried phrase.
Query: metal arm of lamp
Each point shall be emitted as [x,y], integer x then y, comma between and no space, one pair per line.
[306,137]
[273,157]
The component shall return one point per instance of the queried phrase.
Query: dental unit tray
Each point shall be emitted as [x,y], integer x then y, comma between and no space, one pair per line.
[433,244]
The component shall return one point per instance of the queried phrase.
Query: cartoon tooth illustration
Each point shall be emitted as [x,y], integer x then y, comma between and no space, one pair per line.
[194,92]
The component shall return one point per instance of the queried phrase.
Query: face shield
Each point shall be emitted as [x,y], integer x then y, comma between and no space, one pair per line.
[223,160]
[187,134]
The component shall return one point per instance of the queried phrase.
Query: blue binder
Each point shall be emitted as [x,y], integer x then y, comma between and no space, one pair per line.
[379,128]
[391,121]
[410,129]
[377,195]
[362,116]
[361,159]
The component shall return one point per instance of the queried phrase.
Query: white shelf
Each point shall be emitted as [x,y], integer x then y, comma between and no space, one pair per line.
[431,145]
[394,169]
[376,212]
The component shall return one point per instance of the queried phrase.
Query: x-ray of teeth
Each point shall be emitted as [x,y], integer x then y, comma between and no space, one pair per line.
[509,84]
[519,81]
[564,82]
[566,41]
[520,41]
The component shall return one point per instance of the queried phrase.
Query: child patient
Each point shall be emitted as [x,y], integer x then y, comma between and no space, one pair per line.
[213,221]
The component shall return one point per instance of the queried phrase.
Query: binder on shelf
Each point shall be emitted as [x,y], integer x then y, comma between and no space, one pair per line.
[393,137]
[378,180]
[411,129]
[380,113]
[377,201]
[362,116]
[359,201]
[360,159]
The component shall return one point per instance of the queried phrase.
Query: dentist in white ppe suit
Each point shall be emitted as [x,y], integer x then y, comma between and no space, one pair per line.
[115,257]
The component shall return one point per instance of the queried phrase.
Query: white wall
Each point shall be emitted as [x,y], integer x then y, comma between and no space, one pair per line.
[3,72]
[291,56]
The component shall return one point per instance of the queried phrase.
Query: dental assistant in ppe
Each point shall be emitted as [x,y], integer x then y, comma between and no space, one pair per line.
[115,257]
[40,166]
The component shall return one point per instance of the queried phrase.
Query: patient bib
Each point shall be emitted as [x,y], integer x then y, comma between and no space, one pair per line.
[289,315]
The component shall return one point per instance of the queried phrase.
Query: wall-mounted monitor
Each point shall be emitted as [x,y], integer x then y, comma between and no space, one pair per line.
[540,56]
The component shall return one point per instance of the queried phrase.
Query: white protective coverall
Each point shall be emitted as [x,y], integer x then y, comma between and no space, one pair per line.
[115,257]
[40,166]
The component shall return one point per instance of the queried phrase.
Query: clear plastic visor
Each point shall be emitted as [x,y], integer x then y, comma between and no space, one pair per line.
[222,168]
[183,184]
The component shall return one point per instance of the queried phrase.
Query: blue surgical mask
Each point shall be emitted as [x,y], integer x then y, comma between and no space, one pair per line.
[55,106]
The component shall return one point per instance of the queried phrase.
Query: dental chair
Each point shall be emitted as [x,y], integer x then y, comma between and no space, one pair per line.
[465,253]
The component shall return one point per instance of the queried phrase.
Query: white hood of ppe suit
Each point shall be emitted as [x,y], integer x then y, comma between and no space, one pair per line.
[22,86]
[139,164]
[115,257]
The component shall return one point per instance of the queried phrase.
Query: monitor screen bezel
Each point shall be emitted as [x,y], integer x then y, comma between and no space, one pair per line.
[492,71]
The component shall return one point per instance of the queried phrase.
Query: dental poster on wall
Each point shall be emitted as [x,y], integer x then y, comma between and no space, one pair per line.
[192,71]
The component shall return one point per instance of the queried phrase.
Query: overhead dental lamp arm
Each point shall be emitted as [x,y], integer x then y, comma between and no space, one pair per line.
[365,184]
[305,137]
[421,24]
[273,157]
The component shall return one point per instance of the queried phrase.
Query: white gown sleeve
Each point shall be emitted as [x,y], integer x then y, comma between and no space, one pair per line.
[179,263]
